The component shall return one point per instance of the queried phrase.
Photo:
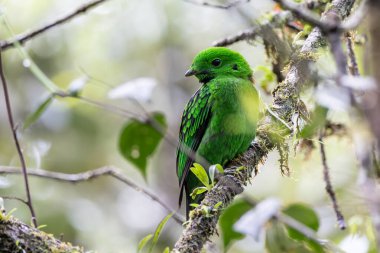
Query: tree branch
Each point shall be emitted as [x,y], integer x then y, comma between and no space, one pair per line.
[16,236]
[89,175]
[14,198]
[202,225]
[353,65]
[329,188]
[250,34]
[17,143]
[22,38]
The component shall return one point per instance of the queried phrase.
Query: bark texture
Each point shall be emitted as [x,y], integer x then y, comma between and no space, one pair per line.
[17,237]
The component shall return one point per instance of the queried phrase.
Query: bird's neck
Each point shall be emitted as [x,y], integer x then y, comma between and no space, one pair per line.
[204,79]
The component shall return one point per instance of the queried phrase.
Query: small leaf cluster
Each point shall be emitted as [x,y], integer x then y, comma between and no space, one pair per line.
[152,239]
[207,179]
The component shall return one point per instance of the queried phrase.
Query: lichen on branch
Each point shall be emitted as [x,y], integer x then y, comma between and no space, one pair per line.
[16,236]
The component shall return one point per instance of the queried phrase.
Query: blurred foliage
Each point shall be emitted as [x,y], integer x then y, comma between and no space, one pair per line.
[38,112]
[138,140]
[267,81]
[277,240]
[306,216]
[152,239]
[317,122]
[228,218]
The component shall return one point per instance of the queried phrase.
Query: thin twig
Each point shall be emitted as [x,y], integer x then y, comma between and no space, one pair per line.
[353,66]
[17,144]
[15,198]
[251,33]
[248,34]
[329,188]
[218,6]
[92,174]
[22,38]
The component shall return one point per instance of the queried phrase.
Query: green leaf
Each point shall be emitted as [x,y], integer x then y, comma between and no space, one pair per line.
[40,227]
[138,140]
[228,218]
[278,241]
[197,191]
[318,120]
[143,242]
[38,112]
[217,205]
[241,168]
[201,174]
[9,214]
[166,250]
[305,215]
[212,171]
[158,231]
[219,168]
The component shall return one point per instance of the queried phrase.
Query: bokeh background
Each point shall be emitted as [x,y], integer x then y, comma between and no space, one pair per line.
[110,45]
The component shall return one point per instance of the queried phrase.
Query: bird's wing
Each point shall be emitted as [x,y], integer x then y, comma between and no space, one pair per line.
[195,120]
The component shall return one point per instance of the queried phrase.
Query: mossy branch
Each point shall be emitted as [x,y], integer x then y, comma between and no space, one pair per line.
[204,218]
[16,236]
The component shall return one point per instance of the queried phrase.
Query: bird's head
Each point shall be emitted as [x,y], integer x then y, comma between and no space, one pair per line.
[217,62]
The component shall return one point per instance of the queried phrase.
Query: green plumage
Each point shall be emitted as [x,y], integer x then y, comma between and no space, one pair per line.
[219,121]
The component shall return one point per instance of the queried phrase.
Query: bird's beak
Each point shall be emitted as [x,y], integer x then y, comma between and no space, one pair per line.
[190,72]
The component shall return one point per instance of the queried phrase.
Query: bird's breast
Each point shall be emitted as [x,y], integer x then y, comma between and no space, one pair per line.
[235,108]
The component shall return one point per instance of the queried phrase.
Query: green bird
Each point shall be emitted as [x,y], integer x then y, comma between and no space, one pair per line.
[219,122]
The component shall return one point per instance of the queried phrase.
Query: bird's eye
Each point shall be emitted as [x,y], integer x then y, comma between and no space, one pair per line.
[216,62]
